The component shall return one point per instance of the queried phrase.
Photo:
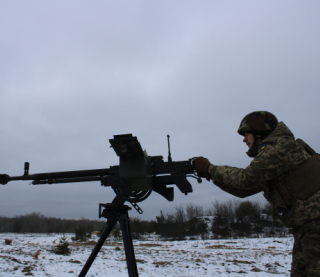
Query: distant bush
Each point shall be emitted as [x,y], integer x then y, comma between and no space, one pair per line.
[196,226]
[139,226]
[117,234]
[82,234]
[62,248]
[7,241]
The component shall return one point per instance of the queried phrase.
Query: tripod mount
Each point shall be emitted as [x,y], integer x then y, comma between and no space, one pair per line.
[115,212]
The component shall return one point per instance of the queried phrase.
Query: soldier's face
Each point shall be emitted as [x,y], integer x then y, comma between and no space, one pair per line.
[248,139]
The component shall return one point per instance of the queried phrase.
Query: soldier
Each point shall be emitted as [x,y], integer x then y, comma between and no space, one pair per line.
[288,172]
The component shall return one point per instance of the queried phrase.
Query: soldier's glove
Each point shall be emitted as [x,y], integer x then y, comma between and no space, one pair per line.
[201,165]
[4,179]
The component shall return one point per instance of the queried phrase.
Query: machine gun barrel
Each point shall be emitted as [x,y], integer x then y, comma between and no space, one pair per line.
[63,176]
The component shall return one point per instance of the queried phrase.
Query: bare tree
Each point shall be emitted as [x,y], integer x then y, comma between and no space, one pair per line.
[179,215]
[224,209]
[193,211]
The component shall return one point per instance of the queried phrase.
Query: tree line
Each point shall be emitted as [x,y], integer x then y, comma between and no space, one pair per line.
[38,223]
[228,219]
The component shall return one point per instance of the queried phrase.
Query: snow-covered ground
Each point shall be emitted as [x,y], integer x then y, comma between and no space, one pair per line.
[240,257]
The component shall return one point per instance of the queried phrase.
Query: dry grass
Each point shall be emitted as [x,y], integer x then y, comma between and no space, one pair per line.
[36,255]
[240,262]
[150,244]
[162,263]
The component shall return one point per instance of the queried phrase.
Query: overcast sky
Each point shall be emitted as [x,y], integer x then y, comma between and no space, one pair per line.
[75,73]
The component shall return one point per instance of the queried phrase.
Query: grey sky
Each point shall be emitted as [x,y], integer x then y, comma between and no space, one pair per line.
[73,74]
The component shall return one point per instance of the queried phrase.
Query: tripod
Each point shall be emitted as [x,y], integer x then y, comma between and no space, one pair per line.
[115,212]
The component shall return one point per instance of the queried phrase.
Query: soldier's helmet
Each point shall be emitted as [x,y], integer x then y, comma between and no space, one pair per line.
[260,123]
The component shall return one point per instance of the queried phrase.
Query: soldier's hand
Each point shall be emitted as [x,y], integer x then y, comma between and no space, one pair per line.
[4,178]
[201,165]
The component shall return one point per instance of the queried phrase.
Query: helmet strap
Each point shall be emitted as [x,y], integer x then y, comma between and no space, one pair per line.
[253,150]
[255,142]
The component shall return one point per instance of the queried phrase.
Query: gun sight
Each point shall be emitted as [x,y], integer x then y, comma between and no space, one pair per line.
[169,153]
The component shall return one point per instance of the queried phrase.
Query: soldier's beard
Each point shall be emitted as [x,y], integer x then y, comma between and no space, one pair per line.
[253,151]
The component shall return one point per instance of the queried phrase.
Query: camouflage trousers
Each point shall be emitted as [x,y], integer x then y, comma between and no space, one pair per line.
[306,250]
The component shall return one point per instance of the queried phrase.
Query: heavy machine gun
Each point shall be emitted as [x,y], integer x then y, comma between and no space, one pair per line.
[133,180]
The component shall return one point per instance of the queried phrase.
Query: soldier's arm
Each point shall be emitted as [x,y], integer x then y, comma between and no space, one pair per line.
[242,193]
[268,165]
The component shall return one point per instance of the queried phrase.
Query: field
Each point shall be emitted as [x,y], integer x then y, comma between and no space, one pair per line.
[31,255]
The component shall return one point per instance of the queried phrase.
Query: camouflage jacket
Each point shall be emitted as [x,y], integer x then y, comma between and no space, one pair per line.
[279,155]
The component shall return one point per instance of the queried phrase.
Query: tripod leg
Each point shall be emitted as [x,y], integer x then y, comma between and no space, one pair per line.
[107,230]
[128,246]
